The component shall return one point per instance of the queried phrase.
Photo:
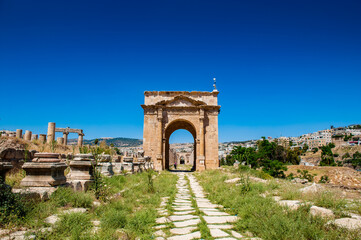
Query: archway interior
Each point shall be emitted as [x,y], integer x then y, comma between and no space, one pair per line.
[180,147]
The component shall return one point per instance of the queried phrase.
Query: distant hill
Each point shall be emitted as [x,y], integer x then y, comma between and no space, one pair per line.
[118,142]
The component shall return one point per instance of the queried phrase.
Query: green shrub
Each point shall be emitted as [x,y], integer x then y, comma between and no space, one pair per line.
[264,175]
[324,179]
[73,226]
[274,168]
[114,219]
[245,184]
[67,197]
[142,221]
[306,175]
[12,209]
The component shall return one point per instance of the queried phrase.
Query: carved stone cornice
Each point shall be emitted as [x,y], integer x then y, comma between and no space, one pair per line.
[181,97]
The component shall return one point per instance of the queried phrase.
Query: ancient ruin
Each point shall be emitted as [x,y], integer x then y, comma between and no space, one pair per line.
[45,170]
[4,168]
[196,112]
[81,173]
[104,165]
[64,141]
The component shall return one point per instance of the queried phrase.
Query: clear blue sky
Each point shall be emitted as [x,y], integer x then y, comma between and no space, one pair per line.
[283,67]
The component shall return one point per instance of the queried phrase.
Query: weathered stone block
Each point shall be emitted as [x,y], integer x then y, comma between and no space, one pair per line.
[45,170]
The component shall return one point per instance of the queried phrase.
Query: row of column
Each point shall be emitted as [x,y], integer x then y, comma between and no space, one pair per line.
[61,140]
[28,136]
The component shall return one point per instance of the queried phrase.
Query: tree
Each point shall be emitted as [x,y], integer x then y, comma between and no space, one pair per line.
[96,141]
[269,156]
[305,148]
[327,158]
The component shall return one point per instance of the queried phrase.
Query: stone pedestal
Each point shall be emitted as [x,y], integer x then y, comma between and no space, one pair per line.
[45,170]
[145,163]
[128,164]
[4,168]
[105,166]
[81,174]
[117,167]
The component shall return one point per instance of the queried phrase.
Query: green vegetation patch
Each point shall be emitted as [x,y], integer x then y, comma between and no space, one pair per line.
[262,216]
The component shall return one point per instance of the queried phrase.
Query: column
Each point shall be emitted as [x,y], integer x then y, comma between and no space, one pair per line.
[60,140]
[19,133]
[160,139]
[65,136]
[201,136]
[80,140]
[27,136]
[51,132]
[201,157]
[42,138]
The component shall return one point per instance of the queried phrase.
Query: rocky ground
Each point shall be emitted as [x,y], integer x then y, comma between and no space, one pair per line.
[342,177]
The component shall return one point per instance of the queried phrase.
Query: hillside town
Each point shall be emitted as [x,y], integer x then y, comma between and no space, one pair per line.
[341,136]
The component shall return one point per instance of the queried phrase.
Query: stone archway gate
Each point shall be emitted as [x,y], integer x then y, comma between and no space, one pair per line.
[168,111]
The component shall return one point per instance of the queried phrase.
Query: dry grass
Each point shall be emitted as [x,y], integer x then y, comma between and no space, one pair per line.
[339,176]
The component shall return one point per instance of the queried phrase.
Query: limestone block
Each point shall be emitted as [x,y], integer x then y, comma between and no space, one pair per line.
[45,170]
[117,167]
[128,159]
[4,168]
[314,188]
[35,193]
[347,223]
[105,158]
[105,168]
[320,211]
[127,166]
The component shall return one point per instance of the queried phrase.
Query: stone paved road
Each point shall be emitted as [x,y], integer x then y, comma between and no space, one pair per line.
[184,220]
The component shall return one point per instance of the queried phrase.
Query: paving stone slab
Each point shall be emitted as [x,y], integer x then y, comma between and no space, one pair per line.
[222,219]
[183,212]
[215,232]
[236,234]
[227,238]
[160,233]
[221,226]
[175,218]
[183,208]
[215,213]
[187,223]
[185,230]
[159,227]
[189,236]
[162,220]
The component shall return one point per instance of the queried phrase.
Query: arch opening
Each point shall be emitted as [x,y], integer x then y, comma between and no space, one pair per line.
[180,146]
